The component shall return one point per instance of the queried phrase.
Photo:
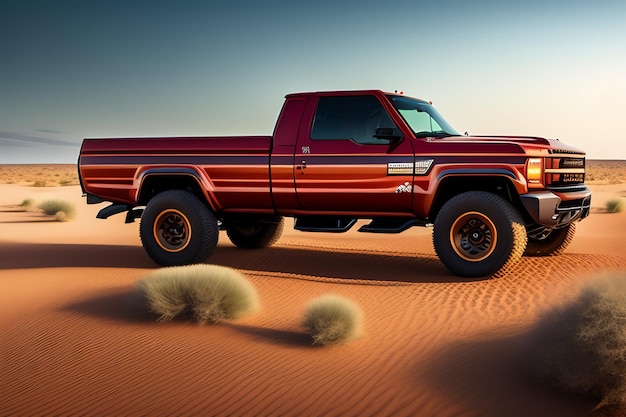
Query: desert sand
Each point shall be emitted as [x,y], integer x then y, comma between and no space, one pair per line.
[75,339]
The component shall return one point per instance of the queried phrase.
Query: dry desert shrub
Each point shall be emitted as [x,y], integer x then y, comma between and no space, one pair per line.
[614,205]
[332,319]
[581,346]
[208,293]
[60,216]
[26,203]
[61,210]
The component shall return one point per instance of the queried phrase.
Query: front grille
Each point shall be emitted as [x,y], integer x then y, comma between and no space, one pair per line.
[565,151]
[565,172]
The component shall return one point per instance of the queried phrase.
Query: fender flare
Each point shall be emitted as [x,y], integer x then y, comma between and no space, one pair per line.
[515,179]
[202,180]
[487,172]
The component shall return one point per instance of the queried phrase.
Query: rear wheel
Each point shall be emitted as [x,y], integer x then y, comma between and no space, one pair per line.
[178,229]
[254,233]
[550,242]
[479,234]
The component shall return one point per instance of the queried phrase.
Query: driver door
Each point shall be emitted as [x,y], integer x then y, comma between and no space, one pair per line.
[341,165]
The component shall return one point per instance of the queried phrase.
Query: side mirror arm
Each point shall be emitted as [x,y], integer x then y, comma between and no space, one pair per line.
[390,134]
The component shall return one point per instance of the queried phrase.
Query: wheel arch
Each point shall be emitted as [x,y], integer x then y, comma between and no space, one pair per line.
[499,182]
[156,180]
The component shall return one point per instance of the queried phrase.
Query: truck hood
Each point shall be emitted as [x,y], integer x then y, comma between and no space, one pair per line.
[525,142]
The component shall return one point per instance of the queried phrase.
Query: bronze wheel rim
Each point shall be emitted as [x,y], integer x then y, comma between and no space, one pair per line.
[473,236]
[172,230]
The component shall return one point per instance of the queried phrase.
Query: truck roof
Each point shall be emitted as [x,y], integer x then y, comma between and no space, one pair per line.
[379,93]
[341,93]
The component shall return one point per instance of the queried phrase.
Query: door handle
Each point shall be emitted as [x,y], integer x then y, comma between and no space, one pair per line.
[303,166]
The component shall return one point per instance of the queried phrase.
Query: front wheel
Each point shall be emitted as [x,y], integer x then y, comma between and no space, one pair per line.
[550,242]
[478,234]
[178,229]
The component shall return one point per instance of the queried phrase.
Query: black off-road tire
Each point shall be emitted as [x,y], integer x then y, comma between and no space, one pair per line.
[552,244]
[255,234]
[178,229]
[479,234]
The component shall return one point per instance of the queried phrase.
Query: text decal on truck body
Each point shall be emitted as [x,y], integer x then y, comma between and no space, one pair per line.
[399,168]
[406,168]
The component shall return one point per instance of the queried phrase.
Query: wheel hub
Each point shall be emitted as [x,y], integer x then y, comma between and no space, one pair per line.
[473,236]
[172,230]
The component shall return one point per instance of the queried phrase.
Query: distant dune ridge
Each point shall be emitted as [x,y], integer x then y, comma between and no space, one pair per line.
[606,171]
[39,174]
[76,340]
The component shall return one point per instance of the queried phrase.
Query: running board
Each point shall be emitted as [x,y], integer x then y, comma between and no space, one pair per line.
[324,224]
[391,225]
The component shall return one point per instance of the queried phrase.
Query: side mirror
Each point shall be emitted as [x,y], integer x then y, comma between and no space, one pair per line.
[388,133]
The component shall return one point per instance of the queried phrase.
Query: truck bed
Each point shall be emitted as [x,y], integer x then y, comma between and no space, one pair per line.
[235,169]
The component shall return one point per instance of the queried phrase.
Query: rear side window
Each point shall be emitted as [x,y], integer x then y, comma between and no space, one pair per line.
[350,117]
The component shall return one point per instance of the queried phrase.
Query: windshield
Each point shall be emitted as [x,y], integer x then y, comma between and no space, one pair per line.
[422,118]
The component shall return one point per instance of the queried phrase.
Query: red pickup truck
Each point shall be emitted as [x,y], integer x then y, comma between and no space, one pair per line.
[337,157]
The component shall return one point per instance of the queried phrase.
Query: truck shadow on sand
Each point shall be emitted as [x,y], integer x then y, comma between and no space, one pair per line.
[326,265]
[294,262]
[303,263]
[50,255]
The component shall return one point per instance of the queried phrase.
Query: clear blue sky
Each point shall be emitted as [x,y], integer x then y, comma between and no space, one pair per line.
[95,68]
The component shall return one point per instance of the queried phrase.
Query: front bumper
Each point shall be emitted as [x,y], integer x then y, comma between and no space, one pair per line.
[555,210]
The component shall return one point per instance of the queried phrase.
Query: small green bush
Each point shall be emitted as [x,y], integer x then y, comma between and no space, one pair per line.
[581,346]
[332,319]
[26,203]
[208,293]
[62,210]
[615,205]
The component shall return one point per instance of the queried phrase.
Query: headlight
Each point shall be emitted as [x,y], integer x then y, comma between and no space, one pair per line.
[534,171]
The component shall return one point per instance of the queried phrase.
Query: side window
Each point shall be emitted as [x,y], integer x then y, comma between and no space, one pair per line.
[350,117]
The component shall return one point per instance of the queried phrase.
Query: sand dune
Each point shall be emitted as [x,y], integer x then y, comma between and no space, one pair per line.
[76,339]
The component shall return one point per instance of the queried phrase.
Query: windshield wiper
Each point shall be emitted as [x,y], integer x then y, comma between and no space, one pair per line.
[437,134]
